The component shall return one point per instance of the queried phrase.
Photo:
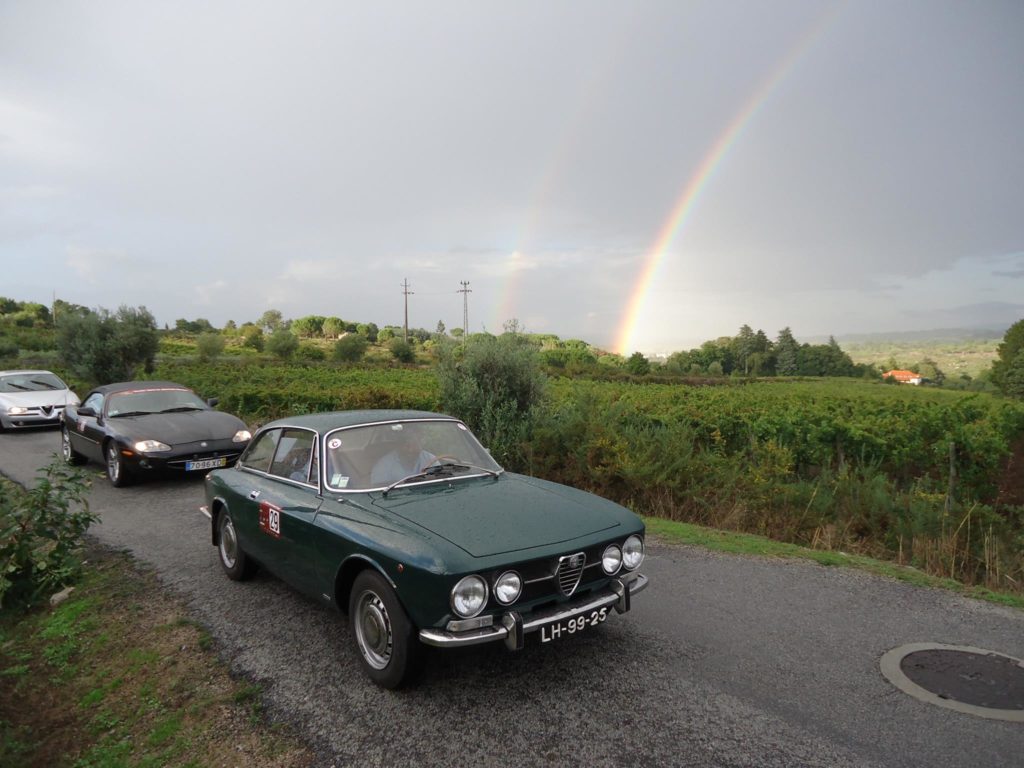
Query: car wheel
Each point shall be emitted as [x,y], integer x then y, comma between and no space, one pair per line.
[71,456]
[117,472]
[384,637]
[236,564]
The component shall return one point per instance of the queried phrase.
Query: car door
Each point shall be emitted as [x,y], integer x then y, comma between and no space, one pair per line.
[85,432]
[284,499]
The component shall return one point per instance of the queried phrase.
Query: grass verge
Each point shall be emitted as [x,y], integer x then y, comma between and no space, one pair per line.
[749,544]
[118,675]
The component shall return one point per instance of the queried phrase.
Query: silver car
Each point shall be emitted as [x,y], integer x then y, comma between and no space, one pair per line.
[32,399]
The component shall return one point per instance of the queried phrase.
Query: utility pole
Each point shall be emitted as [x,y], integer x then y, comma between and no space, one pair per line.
[406,293]
[465,291]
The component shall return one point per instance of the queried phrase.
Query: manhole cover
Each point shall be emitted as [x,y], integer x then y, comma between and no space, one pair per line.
[962,678]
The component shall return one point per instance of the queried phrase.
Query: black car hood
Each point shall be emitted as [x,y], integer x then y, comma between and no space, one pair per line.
[177,428]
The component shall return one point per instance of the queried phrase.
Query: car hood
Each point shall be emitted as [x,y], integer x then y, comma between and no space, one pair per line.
[36,398]
[485,517]
[177,428]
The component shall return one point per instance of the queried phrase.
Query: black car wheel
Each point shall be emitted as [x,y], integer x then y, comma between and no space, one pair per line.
[71,456]
[385,639]
[236,564]
[117,473]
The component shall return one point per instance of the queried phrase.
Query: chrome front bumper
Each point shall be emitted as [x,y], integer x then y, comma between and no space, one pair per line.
[512,627]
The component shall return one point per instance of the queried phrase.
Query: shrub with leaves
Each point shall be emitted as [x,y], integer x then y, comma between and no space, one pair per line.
[494,384]
[209,346]
[350,348]
[401,351]
[40,534]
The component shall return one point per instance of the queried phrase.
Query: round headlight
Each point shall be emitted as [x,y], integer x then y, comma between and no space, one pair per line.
[150,446]
[611,560]
[507,587]
[633,552]
[241,436]
[469,596]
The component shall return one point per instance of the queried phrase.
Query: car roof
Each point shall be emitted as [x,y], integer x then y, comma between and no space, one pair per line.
[127,386]
[22,373]
[323,422]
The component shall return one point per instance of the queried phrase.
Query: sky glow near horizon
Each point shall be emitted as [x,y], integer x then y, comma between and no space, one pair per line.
[642,176]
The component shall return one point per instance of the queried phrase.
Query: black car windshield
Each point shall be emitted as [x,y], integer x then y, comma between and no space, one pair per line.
[378,455]
[30,382]
[145,401]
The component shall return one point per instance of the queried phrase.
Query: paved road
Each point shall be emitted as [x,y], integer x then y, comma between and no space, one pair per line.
[724,661]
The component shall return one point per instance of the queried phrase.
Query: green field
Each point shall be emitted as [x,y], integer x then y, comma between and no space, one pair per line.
[907,473]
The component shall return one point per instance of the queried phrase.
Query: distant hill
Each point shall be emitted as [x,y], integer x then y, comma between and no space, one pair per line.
[954,350]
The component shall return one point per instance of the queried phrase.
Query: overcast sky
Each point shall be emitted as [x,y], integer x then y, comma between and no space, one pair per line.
[852,167]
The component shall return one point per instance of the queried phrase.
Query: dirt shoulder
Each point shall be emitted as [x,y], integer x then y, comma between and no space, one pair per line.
[118,674]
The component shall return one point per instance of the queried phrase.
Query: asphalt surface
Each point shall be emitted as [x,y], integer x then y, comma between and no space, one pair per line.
[723,661]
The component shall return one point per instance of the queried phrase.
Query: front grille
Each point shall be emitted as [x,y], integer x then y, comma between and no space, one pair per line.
[570,568]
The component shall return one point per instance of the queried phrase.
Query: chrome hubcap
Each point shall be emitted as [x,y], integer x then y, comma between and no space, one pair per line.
[228,543]
[113,463]
[373,630]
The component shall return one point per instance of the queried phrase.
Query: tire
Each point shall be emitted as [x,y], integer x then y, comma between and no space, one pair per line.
[385,640]
[236,564]
[117,472]
[71,456]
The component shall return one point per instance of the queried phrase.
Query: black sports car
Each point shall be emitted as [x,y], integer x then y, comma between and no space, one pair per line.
[140,427]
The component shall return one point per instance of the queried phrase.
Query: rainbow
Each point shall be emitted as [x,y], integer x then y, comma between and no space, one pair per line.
[698,182]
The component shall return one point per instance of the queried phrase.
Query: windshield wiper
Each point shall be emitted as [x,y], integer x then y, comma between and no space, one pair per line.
[460,464]
[181,409]
[428,472]
[18,386]
[131,413]
[46,384]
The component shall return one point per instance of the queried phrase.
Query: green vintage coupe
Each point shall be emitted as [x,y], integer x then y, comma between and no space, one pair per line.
[402,520]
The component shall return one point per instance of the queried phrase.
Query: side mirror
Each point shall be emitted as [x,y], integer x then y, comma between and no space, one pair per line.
[85,412]
[212,401]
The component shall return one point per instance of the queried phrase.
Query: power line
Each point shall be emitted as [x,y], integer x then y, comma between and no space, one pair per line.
[465,291]
[406,293]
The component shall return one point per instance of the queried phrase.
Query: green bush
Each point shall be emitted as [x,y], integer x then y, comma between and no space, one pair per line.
[209,346]
[102,347]
[282,344]
[401,351]
[309,351]
[350,348]
[494,385]
[40,534]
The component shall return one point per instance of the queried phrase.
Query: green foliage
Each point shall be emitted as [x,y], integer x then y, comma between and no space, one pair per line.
[494,385]
[310,351]
[638,365]
[401,351]
[8,348]
[102,347]
[350,348]
[1013,377]
[333,327]
[40,534]
[252,337]
[209,346]
[309,326]
[282,343]
[1008,352]
[271,320]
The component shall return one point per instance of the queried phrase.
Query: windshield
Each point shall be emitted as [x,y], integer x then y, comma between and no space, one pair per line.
[30,382]
[361,458]
[145,401]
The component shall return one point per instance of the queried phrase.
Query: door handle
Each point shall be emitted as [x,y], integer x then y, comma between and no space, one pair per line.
[254,495]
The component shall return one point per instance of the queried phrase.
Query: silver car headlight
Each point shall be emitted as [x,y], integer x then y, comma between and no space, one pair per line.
[241,436]
[611,560]
[508,587]
[469,596]
[16,410]
[633,552]
[151,446]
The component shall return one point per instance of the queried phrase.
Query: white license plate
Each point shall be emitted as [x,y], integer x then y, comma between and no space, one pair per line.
[205,464]
[559,629]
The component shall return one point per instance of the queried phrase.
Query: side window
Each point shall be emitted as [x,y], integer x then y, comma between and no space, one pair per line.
[261,450]
[94,401]
[294,452]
